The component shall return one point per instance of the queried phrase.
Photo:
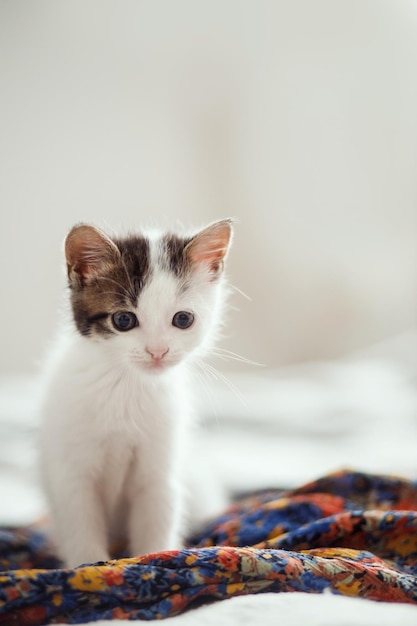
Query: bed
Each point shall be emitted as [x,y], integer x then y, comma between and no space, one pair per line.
[304,538]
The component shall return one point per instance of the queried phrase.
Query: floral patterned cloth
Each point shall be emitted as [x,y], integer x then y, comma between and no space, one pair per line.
[351,533]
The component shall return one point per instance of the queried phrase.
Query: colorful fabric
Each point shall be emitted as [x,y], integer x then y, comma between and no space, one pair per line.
[351,533]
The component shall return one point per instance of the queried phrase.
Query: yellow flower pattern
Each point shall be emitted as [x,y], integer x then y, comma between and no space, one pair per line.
[351,533]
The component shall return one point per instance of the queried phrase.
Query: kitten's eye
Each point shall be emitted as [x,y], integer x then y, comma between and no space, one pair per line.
[183,319]
[124,320]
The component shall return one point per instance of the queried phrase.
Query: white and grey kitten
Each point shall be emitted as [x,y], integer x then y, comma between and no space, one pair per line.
[115,414]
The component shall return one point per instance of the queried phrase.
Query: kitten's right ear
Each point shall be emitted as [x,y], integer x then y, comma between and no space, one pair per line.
[88,252]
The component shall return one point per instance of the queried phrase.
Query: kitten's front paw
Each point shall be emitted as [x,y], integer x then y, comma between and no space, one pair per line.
[89,557]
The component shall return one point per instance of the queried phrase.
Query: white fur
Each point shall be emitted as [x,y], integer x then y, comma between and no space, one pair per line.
[115,423]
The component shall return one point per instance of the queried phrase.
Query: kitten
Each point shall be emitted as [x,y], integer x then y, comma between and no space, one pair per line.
[116,408]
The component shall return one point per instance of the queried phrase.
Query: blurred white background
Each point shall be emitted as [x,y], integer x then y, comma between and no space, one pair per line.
[298,118]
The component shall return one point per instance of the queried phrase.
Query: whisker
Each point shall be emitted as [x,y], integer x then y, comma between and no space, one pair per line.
[217,375]
[240,292]
[233,356]
[113,293]
[201,374]
[132,290]
[119,285]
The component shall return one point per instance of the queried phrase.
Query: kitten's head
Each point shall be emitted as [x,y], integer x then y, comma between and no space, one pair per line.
[150,300]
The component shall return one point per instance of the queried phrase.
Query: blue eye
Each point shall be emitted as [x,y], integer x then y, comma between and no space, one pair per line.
[183,319]
[124,320]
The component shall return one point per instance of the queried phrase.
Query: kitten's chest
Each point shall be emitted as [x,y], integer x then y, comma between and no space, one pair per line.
[117,432]
[129,458]
[119,471]
[139,436]
[133,412]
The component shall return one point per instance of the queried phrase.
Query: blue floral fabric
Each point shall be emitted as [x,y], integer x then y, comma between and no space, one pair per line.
[350,533]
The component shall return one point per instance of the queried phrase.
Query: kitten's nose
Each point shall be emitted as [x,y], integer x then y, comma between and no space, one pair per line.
[157,354]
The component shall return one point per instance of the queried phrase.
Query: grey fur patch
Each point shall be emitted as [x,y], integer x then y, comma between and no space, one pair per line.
[174,257]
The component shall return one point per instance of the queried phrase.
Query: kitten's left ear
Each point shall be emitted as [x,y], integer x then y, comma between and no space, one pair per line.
[209,247]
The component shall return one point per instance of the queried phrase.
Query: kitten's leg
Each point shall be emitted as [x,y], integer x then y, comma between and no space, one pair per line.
[156,519]
[80,525]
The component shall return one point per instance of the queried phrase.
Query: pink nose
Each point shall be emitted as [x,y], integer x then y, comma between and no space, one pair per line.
[157,354]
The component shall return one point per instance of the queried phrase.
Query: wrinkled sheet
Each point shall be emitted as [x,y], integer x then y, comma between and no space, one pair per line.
[350,533]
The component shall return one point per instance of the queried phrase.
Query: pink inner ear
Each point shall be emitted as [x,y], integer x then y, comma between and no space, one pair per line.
[88,251]
[210,245]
